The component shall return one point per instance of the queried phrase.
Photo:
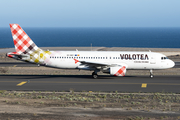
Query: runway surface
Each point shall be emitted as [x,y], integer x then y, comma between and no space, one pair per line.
[17,64]
[24,64]
[86,83]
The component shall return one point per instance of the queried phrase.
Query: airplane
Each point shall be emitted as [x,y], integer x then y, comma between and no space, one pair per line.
[114,63]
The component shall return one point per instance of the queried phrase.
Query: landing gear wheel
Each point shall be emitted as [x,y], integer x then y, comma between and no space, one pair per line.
[94,75]
[151,76]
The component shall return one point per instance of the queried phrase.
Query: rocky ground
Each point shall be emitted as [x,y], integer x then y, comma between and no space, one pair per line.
[88,105]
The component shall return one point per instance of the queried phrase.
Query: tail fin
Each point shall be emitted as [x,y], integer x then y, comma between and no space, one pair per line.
[22,42]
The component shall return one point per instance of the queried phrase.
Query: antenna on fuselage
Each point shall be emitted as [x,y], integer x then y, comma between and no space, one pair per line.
[91,46]
[149,50]
[76,49]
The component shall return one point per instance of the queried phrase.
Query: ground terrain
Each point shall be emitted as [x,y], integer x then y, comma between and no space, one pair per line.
[88,105]
[45,105]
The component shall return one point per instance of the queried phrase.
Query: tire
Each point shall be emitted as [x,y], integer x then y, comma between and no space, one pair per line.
[94,75]
[151,76]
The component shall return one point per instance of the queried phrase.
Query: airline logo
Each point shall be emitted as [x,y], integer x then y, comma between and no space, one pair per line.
[24,45]
[134,56]
[22,42]
[76,61]
[121,71]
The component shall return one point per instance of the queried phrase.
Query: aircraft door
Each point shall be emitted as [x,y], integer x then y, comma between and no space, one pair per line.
[153,59]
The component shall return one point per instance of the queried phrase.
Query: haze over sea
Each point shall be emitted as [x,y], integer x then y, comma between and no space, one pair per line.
[99,37]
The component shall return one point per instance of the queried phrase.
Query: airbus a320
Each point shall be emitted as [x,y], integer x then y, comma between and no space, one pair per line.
[114,63]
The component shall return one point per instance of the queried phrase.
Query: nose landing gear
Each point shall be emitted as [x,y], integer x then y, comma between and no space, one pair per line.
[151,73]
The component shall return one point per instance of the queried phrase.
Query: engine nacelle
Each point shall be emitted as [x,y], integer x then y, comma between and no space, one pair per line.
[84,67]
[118,71]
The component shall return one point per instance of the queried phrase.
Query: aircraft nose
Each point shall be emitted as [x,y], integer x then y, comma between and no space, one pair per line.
[171,64]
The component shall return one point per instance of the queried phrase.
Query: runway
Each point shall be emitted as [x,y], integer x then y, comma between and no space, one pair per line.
[17,64]
[86,83]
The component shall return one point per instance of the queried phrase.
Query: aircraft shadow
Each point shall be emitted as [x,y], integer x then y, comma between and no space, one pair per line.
[66,76]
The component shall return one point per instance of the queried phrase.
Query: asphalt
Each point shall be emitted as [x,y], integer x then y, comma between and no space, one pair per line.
[17,64]
[86,83]
[24,64]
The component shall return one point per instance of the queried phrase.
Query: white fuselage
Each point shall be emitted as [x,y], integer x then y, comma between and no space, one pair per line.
[132,60]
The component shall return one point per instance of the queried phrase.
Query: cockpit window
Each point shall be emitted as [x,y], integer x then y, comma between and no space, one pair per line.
[164,58]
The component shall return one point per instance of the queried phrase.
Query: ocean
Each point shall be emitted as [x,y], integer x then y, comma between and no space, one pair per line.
[98,37]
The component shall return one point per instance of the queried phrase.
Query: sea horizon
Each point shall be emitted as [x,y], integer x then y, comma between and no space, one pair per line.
[142,37]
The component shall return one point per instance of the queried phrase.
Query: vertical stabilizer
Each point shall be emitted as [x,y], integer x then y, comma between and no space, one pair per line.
[22,42]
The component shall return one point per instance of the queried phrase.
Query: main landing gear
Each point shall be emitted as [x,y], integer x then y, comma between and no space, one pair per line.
[151,74]
[94,75]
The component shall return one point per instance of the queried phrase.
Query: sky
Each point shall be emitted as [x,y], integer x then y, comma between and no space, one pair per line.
[90,13]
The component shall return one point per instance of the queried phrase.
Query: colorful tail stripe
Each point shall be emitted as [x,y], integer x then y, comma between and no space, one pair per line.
[22,42]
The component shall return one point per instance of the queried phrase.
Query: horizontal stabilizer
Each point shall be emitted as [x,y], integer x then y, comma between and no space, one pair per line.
[15,55]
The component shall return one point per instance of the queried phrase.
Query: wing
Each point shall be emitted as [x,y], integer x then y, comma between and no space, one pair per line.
[96,64]
[116,69]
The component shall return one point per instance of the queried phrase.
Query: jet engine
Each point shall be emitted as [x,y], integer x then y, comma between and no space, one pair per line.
[118,71]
